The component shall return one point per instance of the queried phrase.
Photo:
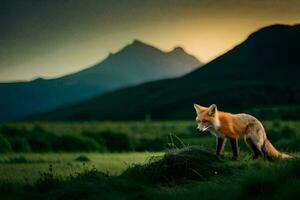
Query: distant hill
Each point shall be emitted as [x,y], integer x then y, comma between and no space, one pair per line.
[260,72]
[136,63]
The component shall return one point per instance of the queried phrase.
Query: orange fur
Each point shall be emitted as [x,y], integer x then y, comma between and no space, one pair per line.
[232,126]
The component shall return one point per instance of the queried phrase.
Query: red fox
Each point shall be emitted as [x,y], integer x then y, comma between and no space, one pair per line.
[231,126]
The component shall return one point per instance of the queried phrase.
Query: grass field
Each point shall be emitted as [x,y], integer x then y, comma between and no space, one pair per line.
[47,172]
[214,179]
[25,168]
[124,136]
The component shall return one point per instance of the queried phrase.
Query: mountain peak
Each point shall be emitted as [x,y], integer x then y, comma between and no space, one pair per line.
[138,42]
[38,79]
[178,50]
[275,30]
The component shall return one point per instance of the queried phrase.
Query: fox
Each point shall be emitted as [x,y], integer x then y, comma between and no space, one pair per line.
[230,126]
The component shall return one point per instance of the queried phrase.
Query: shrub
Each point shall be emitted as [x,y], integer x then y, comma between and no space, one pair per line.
[151,144]
[40,140]
[278,132]
[19,144]
[289,144]
[118,141]
[75,143]
[98,138]
[36,139]
[5,146]
[48,180]
[18,159]
[10,131]
[82,158]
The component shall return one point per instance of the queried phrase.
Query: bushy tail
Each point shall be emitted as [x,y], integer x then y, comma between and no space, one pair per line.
[271,153]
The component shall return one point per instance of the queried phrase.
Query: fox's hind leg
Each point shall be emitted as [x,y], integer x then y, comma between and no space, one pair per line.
[254,137]
[253,147]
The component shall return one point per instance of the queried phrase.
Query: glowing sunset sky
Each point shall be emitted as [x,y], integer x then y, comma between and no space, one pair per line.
[50,38]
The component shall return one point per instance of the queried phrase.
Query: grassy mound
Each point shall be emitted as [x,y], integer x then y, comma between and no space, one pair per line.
[82,158]
[189,163]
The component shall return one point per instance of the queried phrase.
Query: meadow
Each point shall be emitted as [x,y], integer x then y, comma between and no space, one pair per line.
[124,136]
[26,168]
[139,160]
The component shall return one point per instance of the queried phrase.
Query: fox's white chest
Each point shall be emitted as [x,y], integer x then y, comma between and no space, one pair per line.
[216,133]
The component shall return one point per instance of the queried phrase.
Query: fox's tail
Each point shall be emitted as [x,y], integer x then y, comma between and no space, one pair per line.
[271,153]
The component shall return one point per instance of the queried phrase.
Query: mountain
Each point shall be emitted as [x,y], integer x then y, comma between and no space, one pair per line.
[261,71]
[136,63]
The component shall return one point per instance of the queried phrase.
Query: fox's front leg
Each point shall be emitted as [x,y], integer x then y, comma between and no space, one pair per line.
[220,145]
[235,148]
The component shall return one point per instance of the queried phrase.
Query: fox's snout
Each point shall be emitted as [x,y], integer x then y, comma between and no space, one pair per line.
[202,128]
[206,117]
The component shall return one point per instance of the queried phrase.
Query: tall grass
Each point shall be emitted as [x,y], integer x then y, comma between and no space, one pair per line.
[120,136]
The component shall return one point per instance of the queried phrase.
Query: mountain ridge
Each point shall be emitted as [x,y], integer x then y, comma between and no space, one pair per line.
[136,63]
[251,74]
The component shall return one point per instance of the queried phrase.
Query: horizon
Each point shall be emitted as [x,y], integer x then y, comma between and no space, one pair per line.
[51,39]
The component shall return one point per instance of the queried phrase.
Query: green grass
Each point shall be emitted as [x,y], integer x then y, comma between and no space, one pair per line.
[161,178]
[25,168]
[123,136]
[124,174]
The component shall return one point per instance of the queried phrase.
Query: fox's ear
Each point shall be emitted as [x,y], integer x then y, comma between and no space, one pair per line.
[199,108]
[212,110]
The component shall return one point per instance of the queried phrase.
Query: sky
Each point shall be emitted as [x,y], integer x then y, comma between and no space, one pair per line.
[51,38]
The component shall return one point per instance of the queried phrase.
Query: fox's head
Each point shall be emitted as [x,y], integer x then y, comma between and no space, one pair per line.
[207,118]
